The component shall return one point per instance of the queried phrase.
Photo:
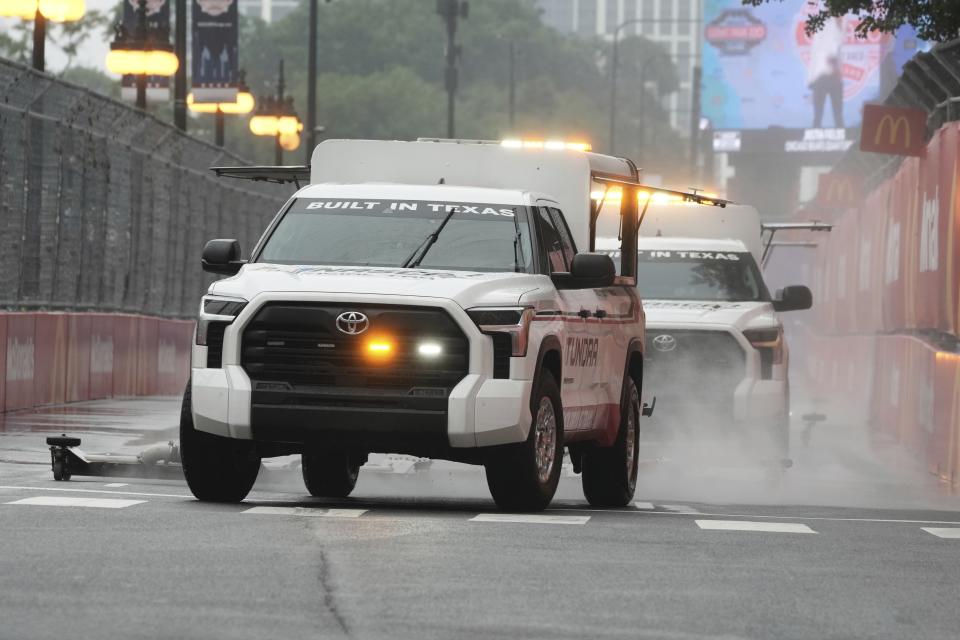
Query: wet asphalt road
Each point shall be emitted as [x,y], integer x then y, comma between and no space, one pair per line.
[425,555]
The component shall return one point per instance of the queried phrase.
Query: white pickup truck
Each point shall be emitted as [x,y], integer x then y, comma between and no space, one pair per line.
[716,355]
[429,298]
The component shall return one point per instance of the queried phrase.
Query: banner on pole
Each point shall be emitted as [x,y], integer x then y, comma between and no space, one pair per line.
[158,23]
[215,50]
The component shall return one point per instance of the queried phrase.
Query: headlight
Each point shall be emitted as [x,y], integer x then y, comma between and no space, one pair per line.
[513,321]
[769,342]
[216,308]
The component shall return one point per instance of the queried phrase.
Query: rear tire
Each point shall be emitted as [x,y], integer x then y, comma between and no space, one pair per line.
[610,473]
[329,474]
[524,476]
[217,469]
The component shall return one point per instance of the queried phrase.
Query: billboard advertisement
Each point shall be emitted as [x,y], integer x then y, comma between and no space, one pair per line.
[760,68]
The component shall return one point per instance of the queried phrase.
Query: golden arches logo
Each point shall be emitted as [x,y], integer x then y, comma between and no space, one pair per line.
[893,124]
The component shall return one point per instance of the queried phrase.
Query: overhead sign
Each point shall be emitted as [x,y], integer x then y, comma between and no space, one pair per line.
[839,190]
[893,130]
[761,69]
[215,50]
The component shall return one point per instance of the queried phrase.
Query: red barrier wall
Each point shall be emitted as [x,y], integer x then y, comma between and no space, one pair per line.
[885,286]
[51,358]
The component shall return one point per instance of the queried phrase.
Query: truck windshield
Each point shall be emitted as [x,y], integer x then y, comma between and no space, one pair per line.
[698,275]
[383,233]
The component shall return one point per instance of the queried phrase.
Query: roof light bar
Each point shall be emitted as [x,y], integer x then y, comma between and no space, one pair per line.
[551,145]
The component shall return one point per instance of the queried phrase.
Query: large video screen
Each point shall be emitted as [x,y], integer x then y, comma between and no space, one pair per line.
[760,69]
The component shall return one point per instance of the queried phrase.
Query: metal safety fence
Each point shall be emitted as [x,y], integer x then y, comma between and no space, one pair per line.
[105,208]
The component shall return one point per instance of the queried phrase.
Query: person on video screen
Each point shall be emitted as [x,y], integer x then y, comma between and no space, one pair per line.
[824,74]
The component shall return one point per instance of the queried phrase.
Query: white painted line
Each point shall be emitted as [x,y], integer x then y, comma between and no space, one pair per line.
[751,515]
[679,508]
[944,532]
[746,525]
[117,484]
[313,512]
[646,506]
[61,501]
[119,493]
[529,518]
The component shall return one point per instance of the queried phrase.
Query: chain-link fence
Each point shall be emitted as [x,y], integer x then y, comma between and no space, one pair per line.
[104,208]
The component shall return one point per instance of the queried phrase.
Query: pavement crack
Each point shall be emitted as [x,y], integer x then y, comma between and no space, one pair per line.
[328,600]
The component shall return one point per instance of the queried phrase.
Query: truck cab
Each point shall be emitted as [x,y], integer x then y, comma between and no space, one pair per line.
[430,298]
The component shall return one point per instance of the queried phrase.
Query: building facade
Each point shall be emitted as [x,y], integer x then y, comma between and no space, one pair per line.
[267,10]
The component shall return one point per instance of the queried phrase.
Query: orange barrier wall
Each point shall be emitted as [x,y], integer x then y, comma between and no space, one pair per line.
[51,358]
[885,284]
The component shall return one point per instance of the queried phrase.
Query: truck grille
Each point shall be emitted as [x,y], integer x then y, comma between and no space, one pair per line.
[701,367]
[298,347]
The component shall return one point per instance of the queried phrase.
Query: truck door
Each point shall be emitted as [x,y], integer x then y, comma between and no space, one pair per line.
[580,340]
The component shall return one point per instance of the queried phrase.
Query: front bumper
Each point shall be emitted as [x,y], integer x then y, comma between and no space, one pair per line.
[480,411]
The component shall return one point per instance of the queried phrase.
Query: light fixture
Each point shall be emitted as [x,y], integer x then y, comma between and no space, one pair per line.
[429,349]
[244,104]
[62,10]
[23,9]
[550,145]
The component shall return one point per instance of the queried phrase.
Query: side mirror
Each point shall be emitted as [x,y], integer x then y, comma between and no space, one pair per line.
[222,256]
[588,271]
[793,298]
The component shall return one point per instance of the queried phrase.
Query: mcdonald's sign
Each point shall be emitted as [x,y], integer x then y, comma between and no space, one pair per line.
[893,130]
[839,190]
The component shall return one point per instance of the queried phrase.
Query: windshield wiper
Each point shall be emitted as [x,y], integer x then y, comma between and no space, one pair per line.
[415,258]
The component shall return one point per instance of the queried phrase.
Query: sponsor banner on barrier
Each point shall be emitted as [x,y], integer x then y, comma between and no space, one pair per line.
[20,361]
[51,358]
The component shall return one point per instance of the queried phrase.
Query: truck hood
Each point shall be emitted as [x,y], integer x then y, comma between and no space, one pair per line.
[466,288]
[668,313]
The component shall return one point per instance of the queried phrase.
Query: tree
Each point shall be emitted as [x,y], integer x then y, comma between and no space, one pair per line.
[381,76]
[934,20]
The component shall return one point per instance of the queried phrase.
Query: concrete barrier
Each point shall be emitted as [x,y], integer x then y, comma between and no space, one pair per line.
[51,358]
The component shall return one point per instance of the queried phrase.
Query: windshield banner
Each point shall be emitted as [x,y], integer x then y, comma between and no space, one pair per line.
[406,208]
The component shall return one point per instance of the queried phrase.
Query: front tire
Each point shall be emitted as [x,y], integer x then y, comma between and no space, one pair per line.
[610,473]
[329,474]
[524,476]
[217,469]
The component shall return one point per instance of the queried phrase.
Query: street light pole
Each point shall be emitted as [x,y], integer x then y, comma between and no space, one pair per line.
[218,127]
[513,85]
[450,11]
[39,40]
[614,61]
[142,37]
[311,80]
[643,85]
[278,150]
[180,79]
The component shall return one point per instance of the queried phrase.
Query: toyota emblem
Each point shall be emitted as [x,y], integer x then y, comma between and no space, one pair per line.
[352,323]
[664,342]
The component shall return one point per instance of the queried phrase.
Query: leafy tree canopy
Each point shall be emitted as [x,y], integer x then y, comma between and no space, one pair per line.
[934,20]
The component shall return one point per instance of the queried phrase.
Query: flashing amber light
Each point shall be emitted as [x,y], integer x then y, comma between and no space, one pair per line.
[244,104]
[379,348]
[24,9]
[150,62]
[62,10]
[615,194]
[551,145]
